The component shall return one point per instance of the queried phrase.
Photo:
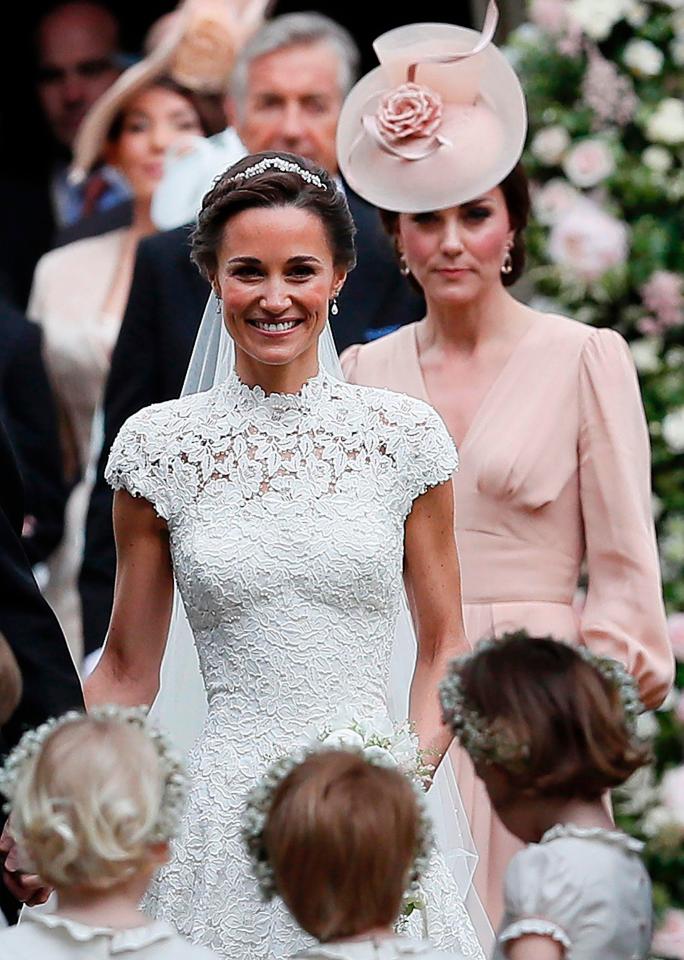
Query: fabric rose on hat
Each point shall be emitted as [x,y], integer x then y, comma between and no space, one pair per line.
[588,163]
[410,110]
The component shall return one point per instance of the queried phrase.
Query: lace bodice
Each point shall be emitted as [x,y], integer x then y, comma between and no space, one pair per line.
[286,518]
[286,521]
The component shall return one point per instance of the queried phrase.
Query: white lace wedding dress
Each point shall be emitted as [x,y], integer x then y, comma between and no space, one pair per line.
[286,519]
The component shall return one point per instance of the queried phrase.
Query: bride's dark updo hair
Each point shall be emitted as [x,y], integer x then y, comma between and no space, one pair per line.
[273,187]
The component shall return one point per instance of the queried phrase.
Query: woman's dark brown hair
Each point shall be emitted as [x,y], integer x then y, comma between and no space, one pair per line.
[542,693]
[273,188]
[341,838]
[516,191]
[209,110]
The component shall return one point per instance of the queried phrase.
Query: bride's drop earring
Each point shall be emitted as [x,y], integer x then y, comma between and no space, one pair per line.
[334,309]
[219,307]
[404,268]
[507,265]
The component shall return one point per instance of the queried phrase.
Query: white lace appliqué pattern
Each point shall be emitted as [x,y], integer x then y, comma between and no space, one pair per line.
[286,520]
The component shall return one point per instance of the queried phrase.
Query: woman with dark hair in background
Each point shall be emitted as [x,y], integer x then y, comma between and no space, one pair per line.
[546,412]
[80,290]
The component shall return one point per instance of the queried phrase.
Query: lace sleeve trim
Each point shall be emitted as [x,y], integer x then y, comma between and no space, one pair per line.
[538,927]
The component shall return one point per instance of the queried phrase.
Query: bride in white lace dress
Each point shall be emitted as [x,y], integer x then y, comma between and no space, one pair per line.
[287,505]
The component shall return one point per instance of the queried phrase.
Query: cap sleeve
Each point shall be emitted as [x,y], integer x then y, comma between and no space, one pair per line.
[425,452]
[540,897]
[135,462]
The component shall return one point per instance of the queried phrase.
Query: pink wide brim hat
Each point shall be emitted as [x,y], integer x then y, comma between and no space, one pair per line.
[197,49]
[441,121]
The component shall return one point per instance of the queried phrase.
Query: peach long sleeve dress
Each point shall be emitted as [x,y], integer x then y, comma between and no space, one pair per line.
[554,473]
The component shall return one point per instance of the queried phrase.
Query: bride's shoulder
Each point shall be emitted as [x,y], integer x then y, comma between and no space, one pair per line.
[171,415]
[390,407]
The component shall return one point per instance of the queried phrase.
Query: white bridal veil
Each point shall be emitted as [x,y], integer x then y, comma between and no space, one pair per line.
[181,706]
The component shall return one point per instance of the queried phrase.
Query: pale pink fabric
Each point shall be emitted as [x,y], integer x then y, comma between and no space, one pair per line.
[555,471]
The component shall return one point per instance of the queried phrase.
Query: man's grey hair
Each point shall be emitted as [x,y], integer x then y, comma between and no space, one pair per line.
[294,30]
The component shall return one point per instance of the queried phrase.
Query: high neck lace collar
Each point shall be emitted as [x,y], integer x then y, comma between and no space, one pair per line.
[614,837]
[312,391]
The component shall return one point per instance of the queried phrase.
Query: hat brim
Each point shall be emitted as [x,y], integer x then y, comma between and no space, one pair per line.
[485,139]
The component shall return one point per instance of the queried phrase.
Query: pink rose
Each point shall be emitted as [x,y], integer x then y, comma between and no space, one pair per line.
[675,625]
[588,163]
[668,940]
[672,793]
[588,241]
[663,296]
[549,15]
[410,110]
[553,200]
[679,710]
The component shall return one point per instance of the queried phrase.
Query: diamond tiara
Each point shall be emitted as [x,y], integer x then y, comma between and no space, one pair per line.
[279,163]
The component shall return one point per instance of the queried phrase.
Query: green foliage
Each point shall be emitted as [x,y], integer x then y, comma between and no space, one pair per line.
[641,186]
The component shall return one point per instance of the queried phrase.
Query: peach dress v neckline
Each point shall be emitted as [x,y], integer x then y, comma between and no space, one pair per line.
[489,398]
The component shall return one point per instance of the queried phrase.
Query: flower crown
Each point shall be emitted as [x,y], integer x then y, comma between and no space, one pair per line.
[489,741]
[260,800]
[174,779]
[285,166]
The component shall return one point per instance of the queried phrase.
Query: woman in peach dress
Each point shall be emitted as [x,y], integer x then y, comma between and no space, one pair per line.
[554,473]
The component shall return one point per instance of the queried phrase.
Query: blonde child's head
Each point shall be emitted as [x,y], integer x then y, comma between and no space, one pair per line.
[544,719]
[341,838]
[94,798]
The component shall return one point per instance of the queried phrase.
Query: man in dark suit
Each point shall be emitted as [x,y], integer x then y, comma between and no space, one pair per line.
[50,682]
[286,94]
[28,411]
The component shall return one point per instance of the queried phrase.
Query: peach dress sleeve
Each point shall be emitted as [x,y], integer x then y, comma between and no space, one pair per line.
[623,616]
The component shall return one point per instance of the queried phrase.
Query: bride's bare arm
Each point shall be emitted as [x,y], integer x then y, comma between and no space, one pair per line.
[433,587]
[128,671]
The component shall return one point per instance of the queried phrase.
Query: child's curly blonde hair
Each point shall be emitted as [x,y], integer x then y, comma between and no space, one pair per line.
[90,795]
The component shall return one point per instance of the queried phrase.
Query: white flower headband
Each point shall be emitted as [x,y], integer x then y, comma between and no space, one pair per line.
[285,166]
[258,807]
[172,769]
[487,741]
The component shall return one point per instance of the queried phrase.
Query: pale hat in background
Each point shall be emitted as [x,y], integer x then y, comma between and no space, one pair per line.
[439,122]
[196,45]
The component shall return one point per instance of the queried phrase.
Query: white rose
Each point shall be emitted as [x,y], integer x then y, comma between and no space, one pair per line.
[637,15]
[656,820]
[553,200]
[643,58]
[549,145]
[666,123]
[344,738]
[597,18]
[657,159]
[646,354]
[380,756]
[588,163]
[673,430]
[672,793]
[588,241]
[677,50]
